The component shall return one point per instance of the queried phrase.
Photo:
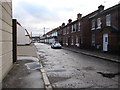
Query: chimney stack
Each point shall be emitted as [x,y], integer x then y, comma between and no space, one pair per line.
[70,20]
[63,24]
[79,16]
[101,8]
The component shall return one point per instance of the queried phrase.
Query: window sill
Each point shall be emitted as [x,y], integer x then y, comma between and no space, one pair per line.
[93,29]
[108,25]
[98,28]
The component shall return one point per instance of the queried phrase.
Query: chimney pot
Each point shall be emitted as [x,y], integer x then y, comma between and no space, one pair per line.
[70,20]
[63,24]
[79,15]
[101,7]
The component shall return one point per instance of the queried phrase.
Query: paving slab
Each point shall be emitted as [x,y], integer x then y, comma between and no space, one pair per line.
[21,76]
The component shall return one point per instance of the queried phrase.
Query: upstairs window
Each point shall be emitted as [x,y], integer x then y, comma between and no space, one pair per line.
[93,25]
[68,29]
[98,23]
[79,26]
[74,28]
[64,31]
[108,20]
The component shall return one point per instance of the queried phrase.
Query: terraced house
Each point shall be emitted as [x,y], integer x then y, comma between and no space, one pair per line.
[105,28]
[6,39]
[99,30]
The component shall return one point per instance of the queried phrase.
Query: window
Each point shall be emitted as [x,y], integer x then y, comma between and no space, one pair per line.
[93,24]
[106,39]
[77,43]
[68,29]
[79,26]
[66,41]
[76,39]
[93,39]
[64,31]
[108,20]
[72,40]
[74,28]
[98,23]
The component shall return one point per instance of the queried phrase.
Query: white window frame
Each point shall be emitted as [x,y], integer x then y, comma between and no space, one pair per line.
[79,26]
[77,41]
[68,29]
[98,23]
[93,40]
[74,28]
[72,40]
[67,41]
[93,24]
[108,20]
[64,31]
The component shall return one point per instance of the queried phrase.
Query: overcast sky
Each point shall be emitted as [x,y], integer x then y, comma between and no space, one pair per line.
[34,15]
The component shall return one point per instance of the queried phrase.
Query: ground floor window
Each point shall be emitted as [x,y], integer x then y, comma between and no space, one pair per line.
[93,40]
[72,40]
[66,41]
[77,43]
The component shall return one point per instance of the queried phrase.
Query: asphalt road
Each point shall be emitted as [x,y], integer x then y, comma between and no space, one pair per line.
[67,69]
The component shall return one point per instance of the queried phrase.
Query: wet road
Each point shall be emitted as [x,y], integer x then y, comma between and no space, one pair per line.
[67,69]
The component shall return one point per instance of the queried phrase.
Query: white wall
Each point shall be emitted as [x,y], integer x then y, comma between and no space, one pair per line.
[6,60]
[28,40]
[22,36]
[21,39]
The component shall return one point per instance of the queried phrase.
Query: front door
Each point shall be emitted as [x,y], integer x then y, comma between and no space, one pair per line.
[105,42]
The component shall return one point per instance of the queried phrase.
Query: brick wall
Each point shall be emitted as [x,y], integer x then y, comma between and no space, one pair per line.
[5,37]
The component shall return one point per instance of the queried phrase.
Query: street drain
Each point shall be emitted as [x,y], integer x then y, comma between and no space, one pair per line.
[108,75]
[33,65]
[56,70]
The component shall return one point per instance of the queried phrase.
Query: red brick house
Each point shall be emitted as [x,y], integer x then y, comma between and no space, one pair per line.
[98,30]
[105,29]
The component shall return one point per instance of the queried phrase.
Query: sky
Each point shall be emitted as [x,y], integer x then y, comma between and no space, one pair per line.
[35,15]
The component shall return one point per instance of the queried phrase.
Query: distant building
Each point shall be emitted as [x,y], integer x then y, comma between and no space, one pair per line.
[51,36]
[23,37]
[35,39]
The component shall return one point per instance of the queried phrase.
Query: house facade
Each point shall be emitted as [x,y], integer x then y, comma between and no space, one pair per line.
[51,36]
[98,30]
[105,28]
[6,40]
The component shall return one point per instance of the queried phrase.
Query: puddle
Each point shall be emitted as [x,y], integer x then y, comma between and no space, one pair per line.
[108,75]
[41,51]
[54,79]
[88,68]
[33,65]
[56,70]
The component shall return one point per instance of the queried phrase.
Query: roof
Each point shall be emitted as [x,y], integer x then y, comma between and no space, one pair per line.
[54,30]
[106,11]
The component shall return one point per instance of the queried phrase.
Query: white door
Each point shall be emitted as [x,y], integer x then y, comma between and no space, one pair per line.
[105,42]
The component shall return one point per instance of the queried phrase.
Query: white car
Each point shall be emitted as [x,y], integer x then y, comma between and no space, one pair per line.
[56,45]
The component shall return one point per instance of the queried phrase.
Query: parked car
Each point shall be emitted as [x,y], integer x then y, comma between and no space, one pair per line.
[56,45]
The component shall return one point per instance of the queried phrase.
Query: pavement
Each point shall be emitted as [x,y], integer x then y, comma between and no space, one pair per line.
[97,54]
[27,72]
